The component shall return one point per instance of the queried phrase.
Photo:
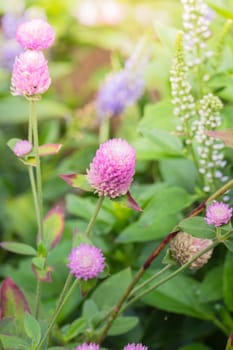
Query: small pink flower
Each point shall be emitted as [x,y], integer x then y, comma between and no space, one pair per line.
[22,147]
[218,214]
[86,261]
[86,346]
[30,74]
[35,34]
[112,169]
[135,347]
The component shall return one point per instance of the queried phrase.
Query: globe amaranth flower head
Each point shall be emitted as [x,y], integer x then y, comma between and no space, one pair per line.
[135,347]
[184,247]
[36,34]
[120,89]
[86,261]
[30,74]
[112,169]
[218,214]
[86,346]
[22,147]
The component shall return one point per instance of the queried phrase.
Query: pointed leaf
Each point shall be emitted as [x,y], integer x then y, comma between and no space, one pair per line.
[12,300]
[77,181]
[53,227]
[32,328]
[225,135]
[19,248]
[44,274]
[49,149]
[129,202]
[123,325]
[197,227]
[75,328]
[12,342]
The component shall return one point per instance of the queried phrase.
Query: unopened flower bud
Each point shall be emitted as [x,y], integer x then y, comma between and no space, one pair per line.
[184,247]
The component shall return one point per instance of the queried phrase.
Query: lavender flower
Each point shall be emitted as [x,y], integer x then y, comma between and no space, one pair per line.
[22,147]
[10,23]
[118,91]
[218,214]
[86,346]
[10,49]
[30,74]
[112,169]
[133,346]
[185,246]
[86,261]
[35,34]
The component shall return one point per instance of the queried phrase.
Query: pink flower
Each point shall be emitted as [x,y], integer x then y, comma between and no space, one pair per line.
[86,261]
[218,213]
[35,34]
[112,169]
[30,74]
[135,347]
[22,147]
[90,346]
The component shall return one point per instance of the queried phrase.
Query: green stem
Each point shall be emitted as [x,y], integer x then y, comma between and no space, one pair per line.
[94,216]
[56,312]
[171,275]
[38,168]
[149,280]
[220,325]
[38,295]
[104,129]
[117,308]
[34,193]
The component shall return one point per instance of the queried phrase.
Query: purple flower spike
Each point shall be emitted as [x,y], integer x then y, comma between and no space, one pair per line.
[119,91]
[35,34]
[135,347]
[22,147]
[218,214]
[30,74]
[112,169]
[90,346]
[86,261]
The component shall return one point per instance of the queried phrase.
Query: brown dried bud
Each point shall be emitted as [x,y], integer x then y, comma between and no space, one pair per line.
[184,246]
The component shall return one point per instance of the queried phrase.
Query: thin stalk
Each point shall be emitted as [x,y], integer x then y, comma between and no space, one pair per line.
[38,295]
[170,276]
[38,167]
[220,325]
[117,308]
[56,313]
[149,280]
[34,193]
[94,216]
[104,129]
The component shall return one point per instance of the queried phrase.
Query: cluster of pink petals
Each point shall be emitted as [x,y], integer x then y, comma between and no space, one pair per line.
[135,347]
[218,214]
[30,74]
[35,35]
[86,261]
[22,147]
[112,169]
[86,346]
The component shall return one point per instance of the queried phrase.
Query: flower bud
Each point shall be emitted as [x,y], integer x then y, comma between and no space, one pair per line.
[184,247]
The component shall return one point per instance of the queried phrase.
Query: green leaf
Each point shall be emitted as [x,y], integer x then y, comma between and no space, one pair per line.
[223,11]
[49,149]
[12,342]
[228,280]
[32,328]
[77,181]
[108,293]
[197,227]
[19,248]
[195,346]
[53,227]
[166,34]
[211,288]
[123,325]
[179,295]
[229,244]
[75,328]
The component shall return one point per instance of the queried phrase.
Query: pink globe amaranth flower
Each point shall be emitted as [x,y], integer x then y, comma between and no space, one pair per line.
[22,147]
[135,347]
[35,34]
[218,214]
[30,74]
[112,169]
[86,346]
[86,261]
